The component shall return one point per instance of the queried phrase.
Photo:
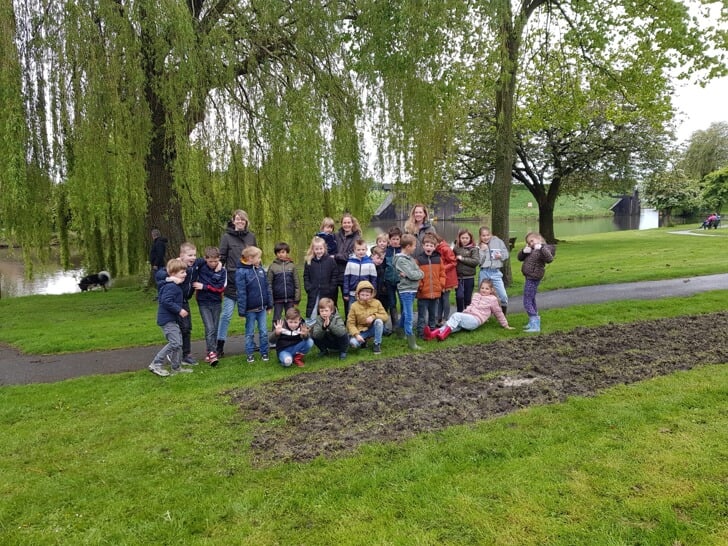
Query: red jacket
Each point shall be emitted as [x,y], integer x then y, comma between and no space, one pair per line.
[449,261]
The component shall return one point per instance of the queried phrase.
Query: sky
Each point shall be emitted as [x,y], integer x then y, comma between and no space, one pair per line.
[701,106]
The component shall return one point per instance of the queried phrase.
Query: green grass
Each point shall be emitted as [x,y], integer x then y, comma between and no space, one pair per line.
[134,459]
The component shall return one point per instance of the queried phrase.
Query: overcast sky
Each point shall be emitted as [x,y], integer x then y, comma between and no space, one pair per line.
[701,106]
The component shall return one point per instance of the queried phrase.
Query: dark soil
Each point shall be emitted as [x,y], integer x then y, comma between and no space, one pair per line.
[333,411]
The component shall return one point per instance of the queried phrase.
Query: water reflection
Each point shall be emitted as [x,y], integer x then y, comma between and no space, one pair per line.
[50,279]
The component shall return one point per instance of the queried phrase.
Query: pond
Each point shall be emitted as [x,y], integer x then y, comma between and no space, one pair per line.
[51,279]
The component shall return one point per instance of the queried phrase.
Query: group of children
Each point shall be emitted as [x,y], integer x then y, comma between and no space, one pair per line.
[399,266]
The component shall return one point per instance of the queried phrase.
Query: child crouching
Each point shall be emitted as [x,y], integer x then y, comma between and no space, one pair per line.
[291,339]
[329,330]
[483,305]
[366,318]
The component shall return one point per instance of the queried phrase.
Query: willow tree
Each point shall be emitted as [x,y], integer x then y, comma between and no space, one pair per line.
[170,114]
[664,36]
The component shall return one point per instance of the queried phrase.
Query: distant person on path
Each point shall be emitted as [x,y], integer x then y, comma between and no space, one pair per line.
[418,224]
[169,311]
[254,301]
[483,306]
[346,236]
[158,251]
[209,287]
[237,236]
[535,255]
[329,331]
[493,252]
[468,258]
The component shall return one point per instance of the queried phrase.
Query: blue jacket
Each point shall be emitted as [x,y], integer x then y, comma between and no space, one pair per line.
[253,290]
[170,303]
[214,284]
[358,270]
[192,273]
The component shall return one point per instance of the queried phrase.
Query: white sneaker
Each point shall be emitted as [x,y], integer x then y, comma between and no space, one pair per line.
[158,370]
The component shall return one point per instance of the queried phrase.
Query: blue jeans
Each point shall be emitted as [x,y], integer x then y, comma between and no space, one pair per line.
[210,314]
[285,357]
[496,277]
[375,330]
[228,306]
[251,319]
[173,348]
[407,299]
[426,309]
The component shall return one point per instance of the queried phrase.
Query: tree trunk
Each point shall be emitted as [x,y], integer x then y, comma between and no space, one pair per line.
[504,142]
[546,221]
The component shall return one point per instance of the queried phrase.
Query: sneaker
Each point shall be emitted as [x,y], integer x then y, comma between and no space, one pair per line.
[342,356]
[377,349]
[189,361]
[212,358]
[264,358]
[158,370]
[251,359]
[298,360]
[175,371]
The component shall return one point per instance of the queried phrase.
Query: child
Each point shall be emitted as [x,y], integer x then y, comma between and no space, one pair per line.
[382,242]
[449,262]
[378,256]
[329,330]
[326,232]
[291,339]
[431,285]
[359,268]
[468,258]
[366,318]
[254,299]
[169,309]
[535,255]
[209,286]
[283,281]
[391,276]
[484,305]
[319,275]
[188,254]
[493,252]
[410,275]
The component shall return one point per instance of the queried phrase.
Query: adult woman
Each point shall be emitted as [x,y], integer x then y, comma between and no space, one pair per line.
[235,238]
[346,236]
[418,224]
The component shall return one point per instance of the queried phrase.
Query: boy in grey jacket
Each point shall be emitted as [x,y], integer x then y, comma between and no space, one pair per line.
[409,281]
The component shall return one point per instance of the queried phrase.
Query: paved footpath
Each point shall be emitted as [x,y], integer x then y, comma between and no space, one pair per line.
[20,369]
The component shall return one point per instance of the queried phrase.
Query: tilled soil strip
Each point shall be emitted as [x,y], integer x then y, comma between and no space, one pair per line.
[333,411]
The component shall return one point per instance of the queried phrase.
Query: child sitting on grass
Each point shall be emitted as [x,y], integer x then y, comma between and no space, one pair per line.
[366,318]
[329,330]
[291,338]
[483,305]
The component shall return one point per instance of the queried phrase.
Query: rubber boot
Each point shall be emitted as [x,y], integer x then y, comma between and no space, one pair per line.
[535,326]
[443,333]
[412,343]
[429,335]
[529,325]
[220,347]
[504,308]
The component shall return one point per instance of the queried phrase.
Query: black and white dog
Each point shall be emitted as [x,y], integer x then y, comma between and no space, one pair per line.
[101,279]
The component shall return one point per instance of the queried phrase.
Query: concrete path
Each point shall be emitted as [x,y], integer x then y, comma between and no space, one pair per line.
[20,369]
